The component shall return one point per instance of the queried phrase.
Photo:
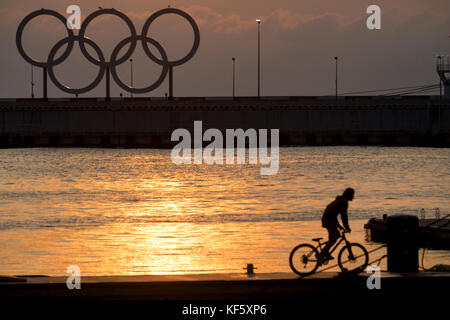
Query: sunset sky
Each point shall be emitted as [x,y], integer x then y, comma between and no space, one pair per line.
[299,40]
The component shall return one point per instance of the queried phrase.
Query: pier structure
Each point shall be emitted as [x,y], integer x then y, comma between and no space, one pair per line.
[149,122]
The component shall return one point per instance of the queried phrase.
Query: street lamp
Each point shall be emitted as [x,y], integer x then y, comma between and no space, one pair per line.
[131,66]
[440,80]
[234,65]
[336,58]
[259,56]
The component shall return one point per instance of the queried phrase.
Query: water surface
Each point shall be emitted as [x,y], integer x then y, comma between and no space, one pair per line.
[132,211]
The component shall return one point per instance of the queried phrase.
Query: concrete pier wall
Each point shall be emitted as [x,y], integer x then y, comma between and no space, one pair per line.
[414,121]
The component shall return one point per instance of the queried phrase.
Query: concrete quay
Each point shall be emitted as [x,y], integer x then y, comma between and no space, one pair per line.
[149,122]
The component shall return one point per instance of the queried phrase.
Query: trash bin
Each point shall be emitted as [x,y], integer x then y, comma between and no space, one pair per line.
[402,243]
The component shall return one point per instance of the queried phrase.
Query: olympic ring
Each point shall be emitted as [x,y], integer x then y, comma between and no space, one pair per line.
[22,25]
[108,66]
[195,46]
[158,82]
[51,63]
[98,13]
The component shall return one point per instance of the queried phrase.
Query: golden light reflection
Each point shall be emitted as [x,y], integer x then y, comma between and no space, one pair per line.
[170,248]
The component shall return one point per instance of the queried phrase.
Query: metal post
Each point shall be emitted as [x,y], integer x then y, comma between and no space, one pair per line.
[131,66]
[32,82]
[440,102]
[170,82]
[259,57]
[108,93]
[440,92]
[44,75]
[336,81]
[440,80]
[234,62]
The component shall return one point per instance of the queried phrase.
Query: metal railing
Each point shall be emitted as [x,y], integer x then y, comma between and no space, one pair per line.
[424,213]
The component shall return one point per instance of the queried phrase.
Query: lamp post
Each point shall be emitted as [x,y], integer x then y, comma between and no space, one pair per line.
[234,65]
[336,81]
[259,56]
[131,66]
[440,80]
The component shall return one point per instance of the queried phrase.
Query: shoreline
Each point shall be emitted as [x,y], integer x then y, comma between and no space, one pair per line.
[269,286]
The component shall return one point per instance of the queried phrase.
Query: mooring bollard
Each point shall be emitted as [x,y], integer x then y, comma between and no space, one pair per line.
[403,243]
[250,268]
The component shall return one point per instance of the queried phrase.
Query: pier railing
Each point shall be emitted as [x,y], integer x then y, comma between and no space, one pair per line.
[435,212]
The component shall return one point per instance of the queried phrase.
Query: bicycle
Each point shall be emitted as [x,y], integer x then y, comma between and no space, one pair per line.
[305,259]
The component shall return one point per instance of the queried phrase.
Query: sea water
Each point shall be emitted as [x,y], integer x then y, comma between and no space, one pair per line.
[133,211]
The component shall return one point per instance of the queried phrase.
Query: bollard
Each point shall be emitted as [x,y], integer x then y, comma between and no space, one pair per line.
[402,243]
[250,268]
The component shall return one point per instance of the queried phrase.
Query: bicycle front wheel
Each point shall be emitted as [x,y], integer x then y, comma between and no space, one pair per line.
[353,258]
[303,259]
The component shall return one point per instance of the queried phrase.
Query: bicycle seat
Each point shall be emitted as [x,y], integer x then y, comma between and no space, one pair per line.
[317,239]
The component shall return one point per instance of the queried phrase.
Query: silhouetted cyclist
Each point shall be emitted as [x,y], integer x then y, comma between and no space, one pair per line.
[331,223]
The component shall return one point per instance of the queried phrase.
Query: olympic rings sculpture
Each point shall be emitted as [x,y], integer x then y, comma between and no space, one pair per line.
[114,61]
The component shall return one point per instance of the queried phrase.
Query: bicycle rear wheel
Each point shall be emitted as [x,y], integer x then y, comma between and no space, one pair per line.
[303,259]
[353,258]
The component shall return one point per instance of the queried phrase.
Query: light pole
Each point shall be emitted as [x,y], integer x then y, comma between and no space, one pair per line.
[259,56]
[131,66]
[336,82]
[440,80]
[234,65]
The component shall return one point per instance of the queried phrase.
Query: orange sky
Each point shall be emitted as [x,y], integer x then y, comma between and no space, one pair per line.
[299,41]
